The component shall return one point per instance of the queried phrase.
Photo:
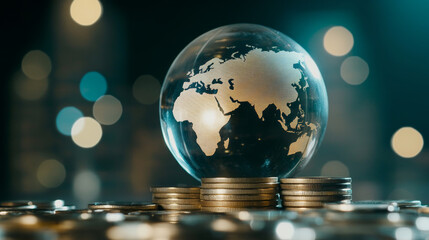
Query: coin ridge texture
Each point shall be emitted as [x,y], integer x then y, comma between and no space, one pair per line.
[240,180]
[224,191]
[238,185]
[316,180]
[219,197]
[175,189]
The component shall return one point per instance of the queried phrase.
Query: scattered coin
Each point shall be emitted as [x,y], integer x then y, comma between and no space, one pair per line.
[240,180]
[424,210]
[401,203]
[238,197]
[362,207]
[134,206]
[175,190]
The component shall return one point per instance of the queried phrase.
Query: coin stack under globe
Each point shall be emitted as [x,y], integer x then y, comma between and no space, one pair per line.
[235,194]
[313,192]
[177,198]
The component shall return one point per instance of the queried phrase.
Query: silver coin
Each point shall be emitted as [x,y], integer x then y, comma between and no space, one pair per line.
[318,179]
[240,180]
[362,207]
[401,203]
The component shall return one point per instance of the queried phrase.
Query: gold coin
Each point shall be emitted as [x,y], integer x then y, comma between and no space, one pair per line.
[238,185]
[238,204]
[240,180]
[232,209]
[238,197]
[175,190]
[302,204]
[180,206]
[123,206]
[239,191]
[308,203]
[314,186]
[346,191]
[175,201]
[424,210]
[317,180]
[301,209]
[317,198]
[177,195]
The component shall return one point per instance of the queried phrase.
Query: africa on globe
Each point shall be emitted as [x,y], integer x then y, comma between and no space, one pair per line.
[243,100]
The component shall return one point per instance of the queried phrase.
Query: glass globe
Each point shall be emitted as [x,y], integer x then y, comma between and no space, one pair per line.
[243,100]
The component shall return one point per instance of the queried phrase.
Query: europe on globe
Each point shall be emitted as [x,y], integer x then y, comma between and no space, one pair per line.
[243,100]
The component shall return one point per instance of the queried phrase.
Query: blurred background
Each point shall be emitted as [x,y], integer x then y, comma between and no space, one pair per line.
[81,81]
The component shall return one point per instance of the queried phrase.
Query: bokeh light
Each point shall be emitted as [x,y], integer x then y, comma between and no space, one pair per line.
[86,132]
[36,65]
[92,86]
[29,89]
[51,173]
[86,12]
[407,142]
[285,230]
[354,70]
[86,186]
[338,41]
[146,89]
[107,110]
[335,168]
[66,118]
[403,233]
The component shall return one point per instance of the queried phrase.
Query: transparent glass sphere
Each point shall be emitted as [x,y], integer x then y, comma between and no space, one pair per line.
[243,100]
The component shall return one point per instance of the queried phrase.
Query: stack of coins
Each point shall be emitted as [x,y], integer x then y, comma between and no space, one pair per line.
[177,198]
[236,194]
[314,192]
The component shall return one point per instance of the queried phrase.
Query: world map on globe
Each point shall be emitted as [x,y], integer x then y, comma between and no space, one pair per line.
[221,89]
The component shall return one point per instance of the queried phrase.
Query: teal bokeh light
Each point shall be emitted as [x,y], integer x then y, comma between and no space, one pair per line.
[92,86]
[66,118]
